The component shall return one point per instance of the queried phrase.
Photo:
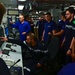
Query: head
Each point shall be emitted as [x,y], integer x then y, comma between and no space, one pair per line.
[21,17]
[63,17]
[2,11]
[70,13]
[27,17]
[40,18]
[31,39]
[48,16]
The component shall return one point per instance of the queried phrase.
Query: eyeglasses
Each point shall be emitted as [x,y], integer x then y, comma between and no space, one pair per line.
[67,14]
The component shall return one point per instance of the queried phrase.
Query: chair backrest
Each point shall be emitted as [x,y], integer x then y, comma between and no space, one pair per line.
[54,47]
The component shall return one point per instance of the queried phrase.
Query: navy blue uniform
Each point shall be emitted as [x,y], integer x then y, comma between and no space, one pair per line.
[3,68]
[61,26]
[68,69]
[49,27]
[40,25]
[69,34]
[25,27]
[39,54]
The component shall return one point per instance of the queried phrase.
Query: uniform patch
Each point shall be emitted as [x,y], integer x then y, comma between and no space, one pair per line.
[74,22]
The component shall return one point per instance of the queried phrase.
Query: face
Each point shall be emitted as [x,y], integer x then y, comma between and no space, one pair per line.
[40,18]
[28,40]
[47,17]
[68,15]
[21,18]
[62,17]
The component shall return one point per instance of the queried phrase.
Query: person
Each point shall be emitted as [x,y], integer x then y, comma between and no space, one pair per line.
[68,69]
[37,50]
[3,67]
[30,21]
[23,27]
[61,27]
[49,29]
[40,23]
[69,35]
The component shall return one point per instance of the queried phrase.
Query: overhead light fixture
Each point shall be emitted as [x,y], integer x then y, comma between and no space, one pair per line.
[21,0]
[20,7]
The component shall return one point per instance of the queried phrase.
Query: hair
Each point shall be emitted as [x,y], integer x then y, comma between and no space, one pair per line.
[63,14]
[32,36]
[2,11]
[71,10]
[48,13]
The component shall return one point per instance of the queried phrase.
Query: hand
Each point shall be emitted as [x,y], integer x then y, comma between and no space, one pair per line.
[42,39]
[11,22]
[68,52]
[38,65]
[24,33]
[32,24]
[49,33]
[3,39]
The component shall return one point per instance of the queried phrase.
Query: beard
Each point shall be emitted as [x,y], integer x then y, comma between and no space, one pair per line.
[68,18]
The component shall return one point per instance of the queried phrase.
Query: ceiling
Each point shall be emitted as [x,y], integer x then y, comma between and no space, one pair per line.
[9,3]
[40,4]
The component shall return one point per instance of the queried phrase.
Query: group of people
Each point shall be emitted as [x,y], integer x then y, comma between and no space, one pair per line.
[65,30]
[47,29]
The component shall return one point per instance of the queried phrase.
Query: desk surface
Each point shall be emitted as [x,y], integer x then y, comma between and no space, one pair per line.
[13,56]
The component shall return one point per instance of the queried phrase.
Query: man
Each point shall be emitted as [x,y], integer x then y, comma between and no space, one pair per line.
[49,29]
[3,67]
[23,27]
[69,34]
[61,27]
[68,69]
[38,52]
[40,23]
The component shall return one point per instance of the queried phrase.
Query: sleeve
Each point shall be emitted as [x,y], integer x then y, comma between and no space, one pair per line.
[17,42]
[54,26]
[28,28]
[63,26]
[15,25]
[3,68]
[44,59]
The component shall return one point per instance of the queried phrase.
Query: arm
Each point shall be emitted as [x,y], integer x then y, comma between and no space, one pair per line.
[71,47]
[43,35]
[62,43]
[43,60]
[28,29]
[14,25]
[13,41]
[54,28]
[59,33]
[3,68]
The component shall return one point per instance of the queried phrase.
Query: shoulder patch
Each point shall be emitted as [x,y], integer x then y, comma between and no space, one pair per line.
[74,22]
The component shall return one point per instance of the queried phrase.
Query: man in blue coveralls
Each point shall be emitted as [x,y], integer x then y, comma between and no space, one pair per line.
[50,27]
[69,34]
[23,27]
[40,23]
[61,27]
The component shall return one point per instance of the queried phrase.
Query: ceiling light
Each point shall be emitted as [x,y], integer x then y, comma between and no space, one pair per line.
[20,7]
[21,0]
